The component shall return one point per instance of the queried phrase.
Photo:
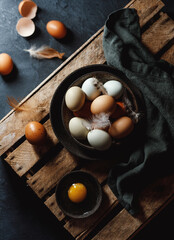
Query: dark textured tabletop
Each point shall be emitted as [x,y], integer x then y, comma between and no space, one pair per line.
[22,217]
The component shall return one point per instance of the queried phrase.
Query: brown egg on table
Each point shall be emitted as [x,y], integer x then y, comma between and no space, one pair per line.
[120,110]
[35,133]
[6,64]
[56,29]
[77,192]
[27,8]
[121,128]
[103,103]
[85,111]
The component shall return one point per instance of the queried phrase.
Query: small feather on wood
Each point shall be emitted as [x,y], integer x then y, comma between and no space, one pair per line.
[44,52]
[15,104]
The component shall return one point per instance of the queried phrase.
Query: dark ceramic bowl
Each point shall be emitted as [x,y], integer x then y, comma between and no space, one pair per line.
[91,202]
[60,115]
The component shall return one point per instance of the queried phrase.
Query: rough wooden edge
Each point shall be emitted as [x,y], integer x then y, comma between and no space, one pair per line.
[73,55]
[156,213]
[150,206]
[65,63]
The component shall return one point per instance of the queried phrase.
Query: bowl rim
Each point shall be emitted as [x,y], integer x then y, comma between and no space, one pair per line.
[99,188]
[56,120]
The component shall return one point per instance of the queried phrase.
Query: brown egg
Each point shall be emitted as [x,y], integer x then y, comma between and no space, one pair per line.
[6,64]
[56,29]
[120,110]
[103,103]
[27,8]
[35,133]
[85,111]
[121,127]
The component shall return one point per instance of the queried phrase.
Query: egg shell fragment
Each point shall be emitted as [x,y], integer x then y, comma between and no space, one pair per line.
[114,88]
[121,128]
[77,128]
[25,27]
[99,139]
[74,98]
[103,104]
[90,89]
[27,8]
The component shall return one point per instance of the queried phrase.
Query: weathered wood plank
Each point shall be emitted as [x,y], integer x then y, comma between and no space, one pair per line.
[169,55]
[48,176]
[54,208]
[151,199]
[159,33]
[78,228]
[146,9]
[26,155]
[99,169]
[11,126]
[15,123]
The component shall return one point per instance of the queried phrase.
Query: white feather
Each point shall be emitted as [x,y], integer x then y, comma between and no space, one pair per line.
[33,51]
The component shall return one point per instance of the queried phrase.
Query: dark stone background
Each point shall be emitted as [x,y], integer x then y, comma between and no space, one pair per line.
[22,217]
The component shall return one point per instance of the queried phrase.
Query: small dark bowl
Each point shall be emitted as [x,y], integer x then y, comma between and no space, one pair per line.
[91,202]
[60,114]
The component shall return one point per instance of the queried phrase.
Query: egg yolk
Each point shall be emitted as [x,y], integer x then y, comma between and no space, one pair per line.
[77,192]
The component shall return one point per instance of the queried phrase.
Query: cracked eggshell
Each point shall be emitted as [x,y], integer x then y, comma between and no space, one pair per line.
[25,27]
[27,8]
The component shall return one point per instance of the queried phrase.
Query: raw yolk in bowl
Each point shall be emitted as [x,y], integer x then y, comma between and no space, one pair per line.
[77,192]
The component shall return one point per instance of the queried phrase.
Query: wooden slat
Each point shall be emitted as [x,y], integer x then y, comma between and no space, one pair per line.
[54,208]
[15,123]
[159,33]
[169,55]
[43,182]
[26,155]
[91,52]
[78,228]
[48,176]
[151,199]
[146,9]
[99,169]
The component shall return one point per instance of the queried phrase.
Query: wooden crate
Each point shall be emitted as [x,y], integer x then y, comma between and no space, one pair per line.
[42,167]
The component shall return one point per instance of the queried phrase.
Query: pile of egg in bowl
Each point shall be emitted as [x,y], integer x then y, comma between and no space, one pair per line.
[101,112]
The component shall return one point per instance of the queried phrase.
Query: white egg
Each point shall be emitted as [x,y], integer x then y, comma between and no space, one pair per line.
[90,89]
[114,88]
[77,128]
[74,98]
[99,139]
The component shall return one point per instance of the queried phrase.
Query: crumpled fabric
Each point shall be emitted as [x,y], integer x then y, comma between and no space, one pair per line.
[151,155]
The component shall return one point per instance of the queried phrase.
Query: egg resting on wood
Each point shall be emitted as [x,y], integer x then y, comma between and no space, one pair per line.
[35,133]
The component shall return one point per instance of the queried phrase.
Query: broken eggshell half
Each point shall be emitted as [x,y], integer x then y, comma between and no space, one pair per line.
[25,27]
[27,8]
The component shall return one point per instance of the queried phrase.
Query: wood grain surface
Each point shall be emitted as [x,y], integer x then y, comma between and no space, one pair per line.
[43,167]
